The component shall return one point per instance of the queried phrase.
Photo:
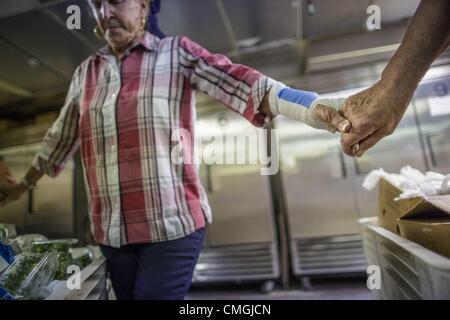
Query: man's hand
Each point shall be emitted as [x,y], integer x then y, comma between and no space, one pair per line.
[10,191]
[374,114]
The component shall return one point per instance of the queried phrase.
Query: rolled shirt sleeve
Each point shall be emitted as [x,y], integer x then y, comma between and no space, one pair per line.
[62,139]
[240,88]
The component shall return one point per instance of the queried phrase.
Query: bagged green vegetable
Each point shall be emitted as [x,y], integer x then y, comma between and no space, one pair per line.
[83,261]
[25,241]
[65,258]
[60,245]
[64,261]
[29,274]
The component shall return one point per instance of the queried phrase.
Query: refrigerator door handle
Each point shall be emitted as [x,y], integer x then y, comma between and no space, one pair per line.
[366,166]
[342,163]
[30,202]
[209,182]
[336,163]
[429,141]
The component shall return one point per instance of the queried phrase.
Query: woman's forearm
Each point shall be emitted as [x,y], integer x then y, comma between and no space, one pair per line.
[33,176]
[427,36]
[304,106]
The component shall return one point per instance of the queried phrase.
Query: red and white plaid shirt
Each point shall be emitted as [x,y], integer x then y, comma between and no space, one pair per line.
[123,114]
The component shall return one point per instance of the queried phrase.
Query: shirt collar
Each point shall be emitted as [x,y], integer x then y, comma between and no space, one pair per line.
[148,41]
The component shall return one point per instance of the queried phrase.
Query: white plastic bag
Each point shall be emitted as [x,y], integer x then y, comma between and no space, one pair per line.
[412,182]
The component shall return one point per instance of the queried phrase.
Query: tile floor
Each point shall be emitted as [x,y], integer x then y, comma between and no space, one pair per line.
[331,289]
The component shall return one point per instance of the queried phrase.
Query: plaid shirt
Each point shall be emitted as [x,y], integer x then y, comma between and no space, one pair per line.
[123,114]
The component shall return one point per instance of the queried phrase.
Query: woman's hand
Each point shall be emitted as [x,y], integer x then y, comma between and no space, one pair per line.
[4,172]
[327,115]
[319,113]
[10,191]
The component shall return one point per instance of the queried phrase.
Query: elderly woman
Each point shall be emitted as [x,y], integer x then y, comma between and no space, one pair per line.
[122,108]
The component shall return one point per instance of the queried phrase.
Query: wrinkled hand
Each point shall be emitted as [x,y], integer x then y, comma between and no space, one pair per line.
[5,178]
[4,172]
[374,114]
[326,116]
[10,191]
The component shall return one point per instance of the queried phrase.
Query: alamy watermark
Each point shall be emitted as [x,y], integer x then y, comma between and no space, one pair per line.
[373,21]
[253,146]
[74,281]
[73,22]
[373,277]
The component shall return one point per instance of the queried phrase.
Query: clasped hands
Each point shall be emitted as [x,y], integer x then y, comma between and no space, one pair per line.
[373,114]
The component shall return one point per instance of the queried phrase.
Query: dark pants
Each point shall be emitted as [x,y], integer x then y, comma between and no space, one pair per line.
[154,271]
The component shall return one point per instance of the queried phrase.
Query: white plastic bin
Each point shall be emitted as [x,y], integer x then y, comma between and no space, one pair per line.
[408,270]
[93,284]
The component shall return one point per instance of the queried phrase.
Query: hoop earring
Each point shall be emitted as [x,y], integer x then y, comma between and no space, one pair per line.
[98,33]
[144,23]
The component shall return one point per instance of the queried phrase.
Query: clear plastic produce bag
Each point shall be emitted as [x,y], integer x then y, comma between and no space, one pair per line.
[7,231]
[29,275]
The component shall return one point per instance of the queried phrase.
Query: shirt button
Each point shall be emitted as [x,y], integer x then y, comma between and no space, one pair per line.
[113,95]
[113,148]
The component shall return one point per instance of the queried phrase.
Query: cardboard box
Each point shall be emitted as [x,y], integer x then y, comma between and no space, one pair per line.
[388,209]
[428,224]
[425,221]
[433,235]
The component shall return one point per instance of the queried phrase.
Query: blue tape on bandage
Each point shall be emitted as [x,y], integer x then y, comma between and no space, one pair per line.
[305,98]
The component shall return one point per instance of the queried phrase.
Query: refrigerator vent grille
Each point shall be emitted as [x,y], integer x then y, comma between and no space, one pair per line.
[328,255]
[237,263]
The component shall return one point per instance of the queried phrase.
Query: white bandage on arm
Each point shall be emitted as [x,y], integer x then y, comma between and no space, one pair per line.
[299,105]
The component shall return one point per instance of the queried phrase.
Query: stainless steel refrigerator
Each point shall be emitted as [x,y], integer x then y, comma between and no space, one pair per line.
[241,243]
